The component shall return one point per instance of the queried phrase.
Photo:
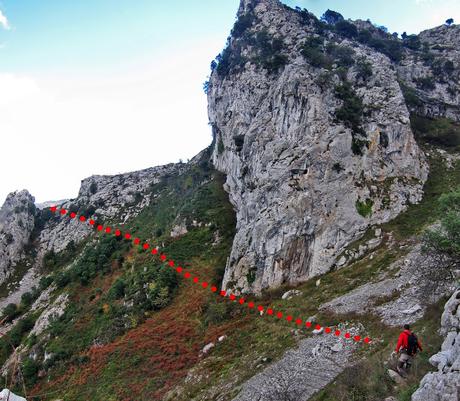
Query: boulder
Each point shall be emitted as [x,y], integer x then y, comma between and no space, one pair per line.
[207,348]
[6,394]
[412,310]
[291,293]
[395,376]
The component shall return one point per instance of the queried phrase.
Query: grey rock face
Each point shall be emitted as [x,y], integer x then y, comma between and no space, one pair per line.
[440,93]
[114,198]
[302,371]
[55,310]
[122,196]
[16,225]
[278,142]
[444,384]
[398,298]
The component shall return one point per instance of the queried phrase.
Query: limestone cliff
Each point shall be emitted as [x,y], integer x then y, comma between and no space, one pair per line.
[431,73]
[313,155]
[16,225]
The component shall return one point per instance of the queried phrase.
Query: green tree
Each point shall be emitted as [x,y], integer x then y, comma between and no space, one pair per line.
[331,17]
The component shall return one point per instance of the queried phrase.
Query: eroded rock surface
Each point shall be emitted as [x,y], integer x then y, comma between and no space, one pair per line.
[292,175]
[444,384]
[401,294]
[302,371]
[16,226]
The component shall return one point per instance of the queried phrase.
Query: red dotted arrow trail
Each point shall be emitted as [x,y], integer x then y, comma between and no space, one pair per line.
[205,285]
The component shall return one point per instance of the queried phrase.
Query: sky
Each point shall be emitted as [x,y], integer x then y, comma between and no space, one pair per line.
[108,86]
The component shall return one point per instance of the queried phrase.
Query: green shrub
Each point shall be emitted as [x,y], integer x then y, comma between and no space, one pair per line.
[363,69]
[61,279]
[426,83]
[239,142]
[305,16]
[44,283]
[268,52]
[331,17]
[343,56]
[49,259]
[150,286]
[449,67]
[26,299]
[389,46]
[312,51]
[346,29]
[410,96]
[117,290]
[364,36]
[10,311]
[243,23]
[230,59]
[95,260]
[217,311]
[412,42]
[440,131]
[364,208]
[22,327]
[220,146]
[251,276]
[446,239]
[93,187]
[337,167]
[30,369]
[350,113]
[357,144]
[9,238]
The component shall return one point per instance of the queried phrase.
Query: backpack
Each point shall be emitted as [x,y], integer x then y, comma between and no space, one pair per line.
[412,344]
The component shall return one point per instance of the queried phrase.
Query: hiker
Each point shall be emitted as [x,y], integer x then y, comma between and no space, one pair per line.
[407,346]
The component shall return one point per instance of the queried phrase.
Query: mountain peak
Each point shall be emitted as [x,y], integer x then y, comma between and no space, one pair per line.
[247,6]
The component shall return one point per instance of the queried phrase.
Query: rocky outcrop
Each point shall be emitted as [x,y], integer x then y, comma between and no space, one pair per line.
[124,195]
[53,311]
[432,72]
[297,186]
[302,371]
[444,384]
[402,292]
[112,198]
[16,226]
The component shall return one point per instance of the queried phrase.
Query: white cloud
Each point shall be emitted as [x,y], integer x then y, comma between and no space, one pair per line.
[56,131]
[4,21]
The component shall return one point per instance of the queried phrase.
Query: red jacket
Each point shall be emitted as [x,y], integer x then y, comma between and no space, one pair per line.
[402,341]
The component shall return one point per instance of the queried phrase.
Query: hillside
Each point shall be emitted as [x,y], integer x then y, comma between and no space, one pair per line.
[334,147]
